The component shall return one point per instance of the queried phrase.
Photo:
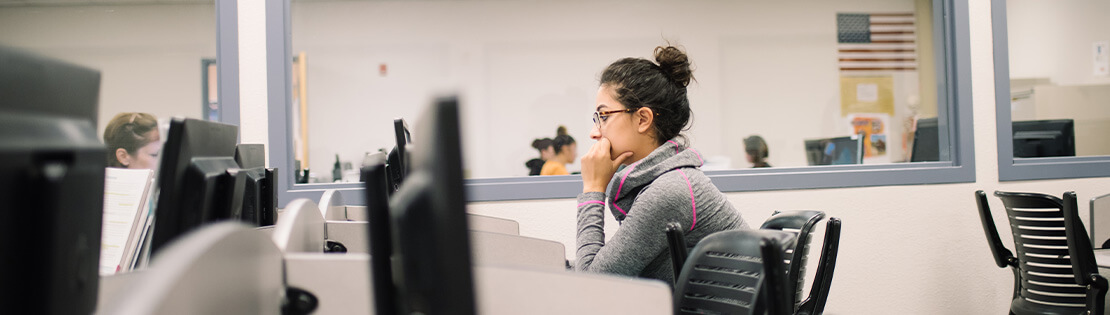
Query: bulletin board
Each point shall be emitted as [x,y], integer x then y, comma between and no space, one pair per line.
[872,95]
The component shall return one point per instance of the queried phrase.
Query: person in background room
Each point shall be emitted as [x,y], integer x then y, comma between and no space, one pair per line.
[547,151]
[566,152]
[133,141]
[757,151]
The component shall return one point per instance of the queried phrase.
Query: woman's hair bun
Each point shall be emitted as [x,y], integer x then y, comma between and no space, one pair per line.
[674,64]
[562,131]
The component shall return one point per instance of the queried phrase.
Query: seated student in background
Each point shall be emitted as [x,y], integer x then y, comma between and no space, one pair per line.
[547,151]
[652,177]
[757,151]
[565,153]
[133,141]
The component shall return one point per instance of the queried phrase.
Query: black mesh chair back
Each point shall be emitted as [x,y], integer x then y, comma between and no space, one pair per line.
[822,281]
[1048,284]
[1002,256]
[725,274]
[801,222]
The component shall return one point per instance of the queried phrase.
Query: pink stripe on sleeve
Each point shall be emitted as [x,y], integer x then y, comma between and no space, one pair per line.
[698,154]
[591,201]
[621,186]
[692,204]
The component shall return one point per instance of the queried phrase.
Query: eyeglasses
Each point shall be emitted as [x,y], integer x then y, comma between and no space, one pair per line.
[602,116]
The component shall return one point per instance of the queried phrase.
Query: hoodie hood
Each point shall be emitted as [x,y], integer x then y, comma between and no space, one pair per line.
[629,180]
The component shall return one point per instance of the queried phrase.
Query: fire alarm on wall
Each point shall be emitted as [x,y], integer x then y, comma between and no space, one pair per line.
[383,69]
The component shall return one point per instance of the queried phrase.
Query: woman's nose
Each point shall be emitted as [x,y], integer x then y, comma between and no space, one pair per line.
[595,133]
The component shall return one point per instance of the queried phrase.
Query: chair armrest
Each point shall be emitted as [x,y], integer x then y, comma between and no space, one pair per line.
[676,242]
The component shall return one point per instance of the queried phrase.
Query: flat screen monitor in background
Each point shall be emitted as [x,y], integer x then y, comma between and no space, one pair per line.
[926,141]
[51,185]
[250,155]
[31,83]
[1100,221]
[194,186]
[834,151]
[260,193]
[431,245]
[396,165]
[1044,138]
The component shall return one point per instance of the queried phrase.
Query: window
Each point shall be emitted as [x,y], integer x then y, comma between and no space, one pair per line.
[1052,85]
[790,74]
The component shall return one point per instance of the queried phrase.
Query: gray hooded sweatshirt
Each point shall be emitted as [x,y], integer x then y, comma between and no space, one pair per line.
[666,186]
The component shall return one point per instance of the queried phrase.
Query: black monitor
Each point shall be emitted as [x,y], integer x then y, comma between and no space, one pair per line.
[431,245]
[51,185]
[396,165]
[835,151]
[1044,138]
[250,155]
[259,196]
[926,141]
[30,83]
[194,186]
[259,193]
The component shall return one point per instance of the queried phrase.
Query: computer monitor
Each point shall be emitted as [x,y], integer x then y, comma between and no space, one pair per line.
[431,245]
[259,196]
[51,185]
[250,155]
[30,83]
[926,141]
[396,165]
[194,186]
[1044,138]
[834,151]
[260,193]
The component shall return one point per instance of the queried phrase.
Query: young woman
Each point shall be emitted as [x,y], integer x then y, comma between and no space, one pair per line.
[565,153]
[757,151]
[133,141]
[642,171]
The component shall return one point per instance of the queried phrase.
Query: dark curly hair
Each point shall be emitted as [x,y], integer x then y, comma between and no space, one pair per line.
[561,140]
[659,85]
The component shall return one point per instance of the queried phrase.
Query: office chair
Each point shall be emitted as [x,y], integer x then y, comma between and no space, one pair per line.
[1057,269]
[822,281]
[1002,256]
[726,274]
[801,222]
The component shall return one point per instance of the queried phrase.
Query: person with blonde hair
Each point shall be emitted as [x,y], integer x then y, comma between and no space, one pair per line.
[133,141]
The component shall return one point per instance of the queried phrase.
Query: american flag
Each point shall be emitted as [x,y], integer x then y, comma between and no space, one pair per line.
[876,42]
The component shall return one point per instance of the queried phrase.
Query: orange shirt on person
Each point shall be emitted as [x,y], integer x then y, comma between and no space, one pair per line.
[554,168]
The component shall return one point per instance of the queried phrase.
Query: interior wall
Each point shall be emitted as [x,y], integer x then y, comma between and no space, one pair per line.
[904,249]
[1053,39]
[512,92]
[149,56]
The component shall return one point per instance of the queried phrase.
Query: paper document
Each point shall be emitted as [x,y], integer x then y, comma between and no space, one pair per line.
[125,192]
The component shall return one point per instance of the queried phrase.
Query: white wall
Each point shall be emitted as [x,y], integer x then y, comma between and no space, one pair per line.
[149,55]
[1053,39]
[524,67]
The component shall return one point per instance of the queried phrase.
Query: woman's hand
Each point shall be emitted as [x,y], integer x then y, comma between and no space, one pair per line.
[598,166]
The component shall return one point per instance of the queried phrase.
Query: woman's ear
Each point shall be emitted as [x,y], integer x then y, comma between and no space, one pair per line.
[645,117]
[122,156]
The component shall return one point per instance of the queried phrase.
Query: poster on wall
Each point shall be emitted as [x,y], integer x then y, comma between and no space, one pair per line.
[866,95]
[872,127]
